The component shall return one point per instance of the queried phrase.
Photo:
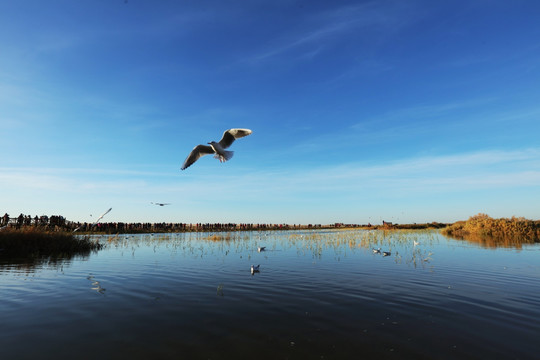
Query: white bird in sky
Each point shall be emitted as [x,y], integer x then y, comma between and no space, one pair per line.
[160,204]
[216,148]
[101,217]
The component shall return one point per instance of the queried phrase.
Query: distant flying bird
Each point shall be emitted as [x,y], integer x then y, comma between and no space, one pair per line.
[101,217]
[160,204]
[216,148]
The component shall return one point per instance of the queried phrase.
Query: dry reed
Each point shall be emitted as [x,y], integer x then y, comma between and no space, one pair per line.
[483,227]
[34,242]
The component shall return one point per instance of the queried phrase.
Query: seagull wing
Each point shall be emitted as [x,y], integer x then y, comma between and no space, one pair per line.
[196,153]
[102,215]
[232,134]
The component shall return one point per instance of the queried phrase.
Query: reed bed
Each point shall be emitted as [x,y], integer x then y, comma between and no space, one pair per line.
[482,227]
[35,242]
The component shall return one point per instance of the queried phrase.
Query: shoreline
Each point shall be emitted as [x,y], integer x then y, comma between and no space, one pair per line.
[147,228]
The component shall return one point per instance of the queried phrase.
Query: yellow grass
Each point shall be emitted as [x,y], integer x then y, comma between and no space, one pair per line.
[482,226]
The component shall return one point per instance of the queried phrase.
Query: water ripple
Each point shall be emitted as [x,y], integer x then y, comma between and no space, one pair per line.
[317,294]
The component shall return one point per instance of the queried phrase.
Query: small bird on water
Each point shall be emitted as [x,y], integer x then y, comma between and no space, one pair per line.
[216,148]
[255,268]
[261,248]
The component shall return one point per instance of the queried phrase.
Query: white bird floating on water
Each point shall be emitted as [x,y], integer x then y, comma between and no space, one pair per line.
[377,251]
[261,248]
[255,268]
[216,148]
[386,253]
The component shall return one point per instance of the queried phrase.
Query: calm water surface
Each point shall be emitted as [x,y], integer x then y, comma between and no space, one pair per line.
[318,295]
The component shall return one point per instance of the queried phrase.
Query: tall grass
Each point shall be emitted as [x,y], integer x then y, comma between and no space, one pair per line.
[33,242]
[482,226]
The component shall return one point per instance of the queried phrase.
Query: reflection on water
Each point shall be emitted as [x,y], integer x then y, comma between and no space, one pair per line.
[96,286]
[492,242]
[30,264]
[318,294]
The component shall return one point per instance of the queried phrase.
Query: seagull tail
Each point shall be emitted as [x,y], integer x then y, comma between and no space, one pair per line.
[227,155]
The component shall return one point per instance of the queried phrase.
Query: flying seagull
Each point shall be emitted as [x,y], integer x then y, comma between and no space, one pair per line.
[216,148]
[99,218]
[160,204]
[102,215]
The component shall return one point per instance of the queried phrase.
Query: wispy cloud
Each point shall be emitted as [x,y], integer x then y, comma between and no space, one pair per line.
[319,28]
[487,168]
[426,111]
[322,187]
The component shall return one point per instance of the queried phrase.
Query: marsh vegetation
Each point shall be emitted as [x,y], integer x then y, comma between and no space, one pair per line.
[492,232]
[34,242]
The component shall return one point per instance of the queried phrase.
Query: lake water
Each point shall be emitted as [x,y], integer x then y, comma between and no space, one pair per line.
[318,295]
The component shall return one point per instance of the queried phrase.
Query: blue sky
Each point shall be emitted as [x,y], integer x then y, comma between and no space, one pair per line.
[361,111]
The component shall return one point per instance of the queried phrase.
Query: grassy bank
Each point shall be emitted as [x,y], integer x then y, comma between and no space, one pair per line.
[482,225]
[35,242]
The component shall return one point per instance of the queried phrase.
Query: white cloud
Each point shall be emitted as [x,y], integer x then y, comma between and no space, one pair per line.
[478,169]
[290,190]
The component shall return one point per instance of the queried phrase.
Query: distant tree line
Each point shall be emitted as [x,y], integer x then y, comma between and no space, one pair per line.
[59,223]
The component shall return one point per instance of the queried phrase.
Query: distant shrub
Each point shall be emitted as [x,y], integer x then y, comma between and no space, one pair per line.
[484,226]
[433,225]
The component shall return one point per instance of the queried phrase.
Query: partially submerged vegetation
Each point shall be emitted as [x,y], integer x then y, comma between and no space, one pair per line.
[425,226]
[482,226]
[40,241]
[37,243]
